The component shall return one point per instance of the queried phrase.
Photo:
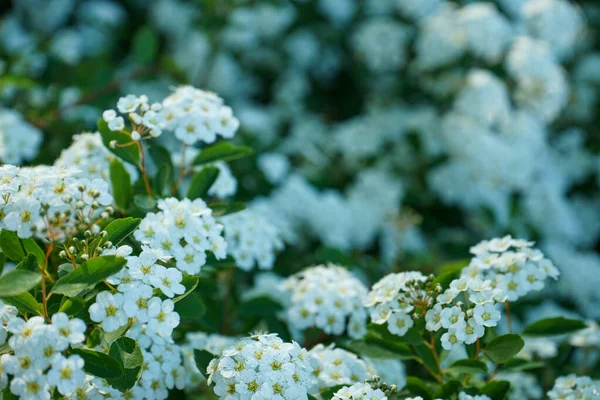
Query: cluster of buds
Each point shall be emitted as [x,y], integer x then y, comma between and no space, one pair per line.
[376,383]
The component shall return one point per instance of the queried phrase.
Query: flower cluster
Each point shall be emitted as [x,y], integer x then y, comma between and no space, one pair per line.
[198,116]
[88,154]
[19,140]
[334,366]
[360,391]
[575,387]
[396,297]
[185,230]
[147,120]
[214,343]
[511,265]
[251,239]
[50,202]
[327,297]
[38,362]
[261,365]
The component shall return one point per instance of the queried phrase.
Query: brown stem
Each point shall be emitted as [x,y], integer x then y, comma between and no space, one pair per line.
[44,273]
[142,167]
[181,171]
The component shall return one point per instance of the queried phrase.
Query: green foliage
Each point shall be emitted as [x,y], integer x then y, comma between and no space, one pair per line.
[201,182]
[144,203]
[203,358]
[145,45]
[503,348]
[469,366]
[100,364]
[129,153]
[18,281]
[29,263]
[220,209]
[88,275]
[554,326]
[418,387]
[11,245]
[25,303]
[72,306]
[260,306]
[496,390]
[119,229]
[222,151]
[31,247]
[129,356]
[121,184]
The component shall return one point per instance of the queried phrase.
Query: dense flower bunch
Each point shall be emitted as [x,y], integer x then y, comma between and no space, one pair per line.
[327,297]
[261,365]
[39,362]
[88,154]
[198,116]
[146,120]
[334,366]
[50,202]
[184,230]
[512,266]
[575,387]
[397,298]
[19,140]
[251,240]
[372,388]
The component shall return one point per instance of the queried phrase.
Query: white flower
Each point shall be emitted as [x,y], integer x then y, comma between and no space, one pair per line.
[67,374]
[327,297]
[486,315]
[108,311]
[31,386]
[69,331]
[116,124]
[136,302]
[168,280]
[400,323]
[128,104]
[163,318]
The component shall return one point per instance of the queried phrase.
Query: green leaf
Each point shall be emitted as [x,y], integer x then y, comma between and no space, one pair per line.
[129,355]
[145,45]
[29,263]
[72,306]
[99,364]
[163,178]
[160,155]
[7,395]
[449,388]
[418,387]
[110,337]
[119,229]
[121,184]
[223,151]
[18,281]
[190,282]
[503,348]
[129,153]
[554,326]
[25,303]
[260,306]
[330,391]
[31,247]
[88,275]
[370,349]
[220,209]
[519,364]
[11,245]
[191,307]
[203,358]
[496,390]
[469,366]
[201,182]
[144,203]
[2,262]
[449,272]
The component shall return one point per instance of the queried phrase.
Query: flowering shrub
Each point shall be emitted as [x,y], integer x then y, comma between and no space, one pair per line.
[300,200]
